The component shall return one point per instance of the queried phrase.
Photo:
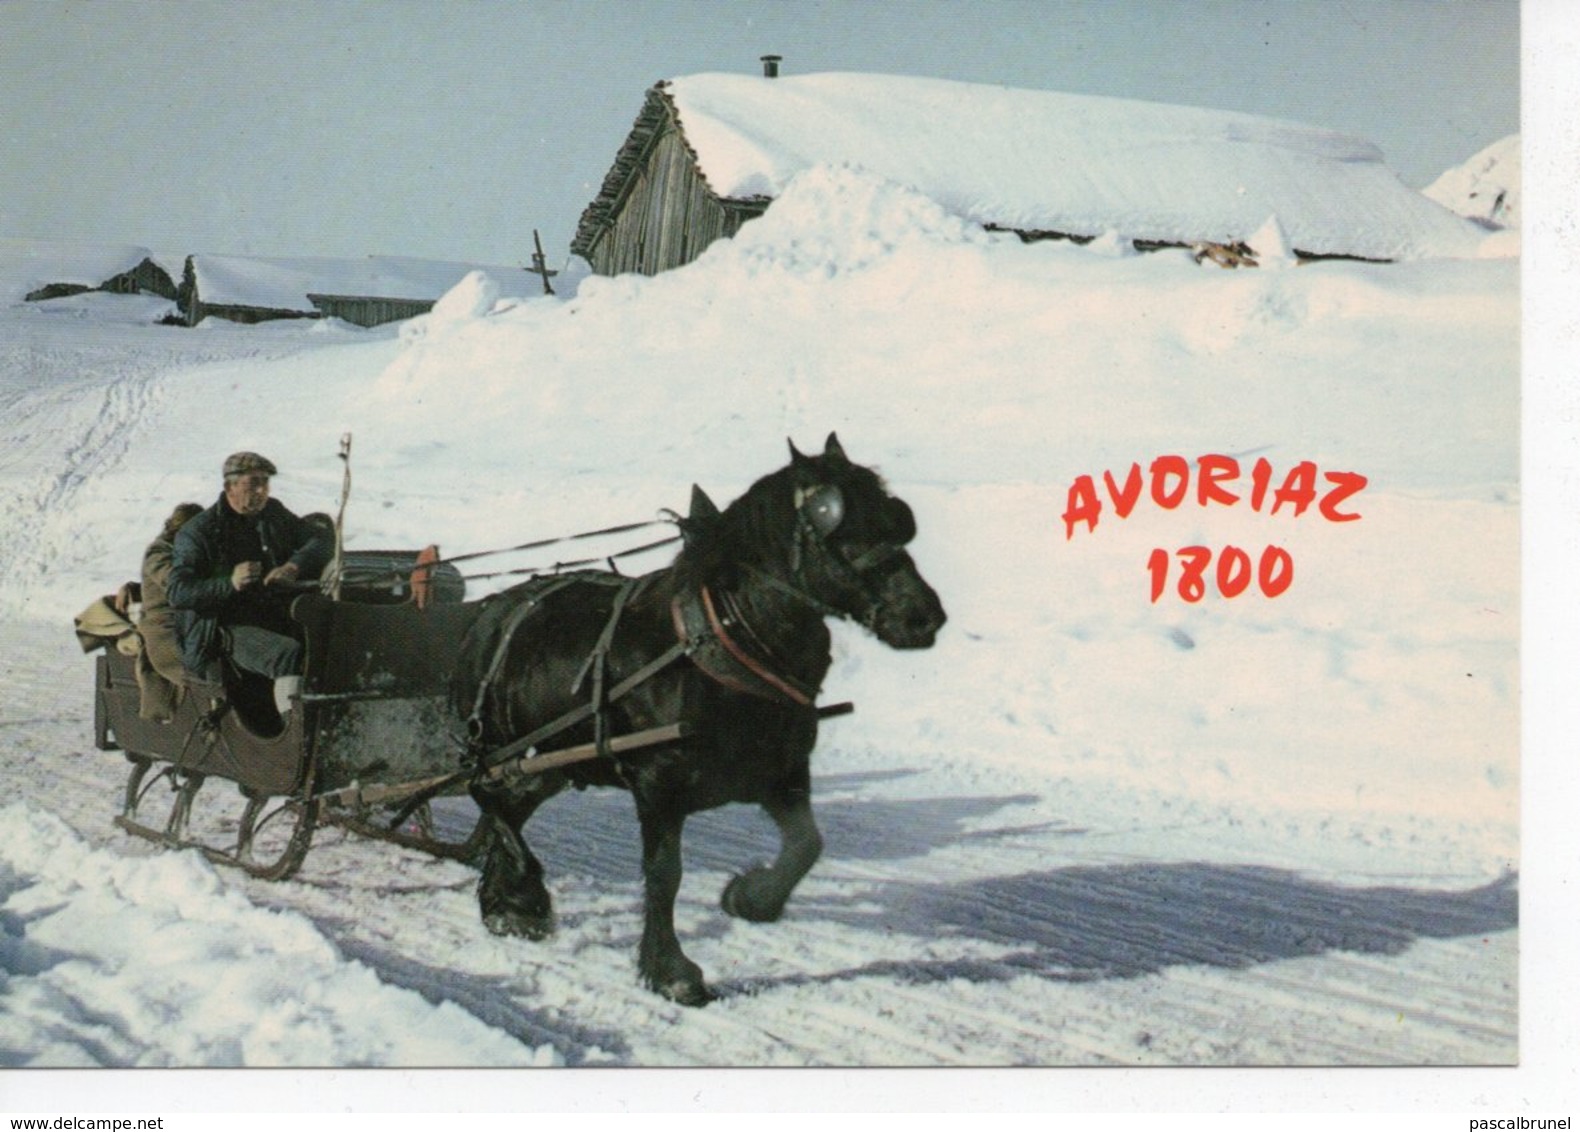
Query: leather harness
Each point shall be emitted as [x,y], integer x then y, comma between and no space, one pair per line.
[720,656]
[709,626]
[702,633]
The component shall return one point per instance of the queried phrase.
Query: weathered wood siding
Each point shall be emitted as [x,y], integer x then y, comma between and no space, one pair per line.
[369,310]
[667,216]
[237,313]
[655,210]
[147,278]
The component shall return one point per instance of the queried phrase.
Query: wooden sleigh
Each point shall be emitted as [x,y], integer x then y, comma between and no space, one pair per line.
[370,743]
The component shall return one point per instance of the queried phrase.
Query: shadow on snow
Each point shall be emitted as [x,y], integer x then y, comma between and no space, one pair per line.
[1124,921]
[1076,924]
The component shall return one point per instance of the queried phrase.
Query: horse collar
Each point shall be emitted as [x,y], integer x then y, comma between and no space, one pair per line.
[721,656]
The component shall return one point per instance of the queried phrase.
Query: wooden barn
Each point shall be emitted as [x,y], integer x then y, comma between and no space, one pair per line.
[146,277]
[709,152]
[365,292]
[240,289]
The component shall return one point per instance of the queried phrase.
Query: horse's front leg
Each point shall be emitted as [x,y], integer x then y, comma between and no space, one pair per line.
[663,965]
[760,894]
[511,895]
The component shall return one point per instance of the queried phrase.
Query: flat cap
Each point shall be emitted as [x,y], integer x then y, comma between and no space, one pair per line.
[240,463]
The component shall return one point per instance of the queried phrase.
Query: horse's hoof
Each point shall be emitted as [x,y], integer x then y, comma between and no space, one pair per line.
[686,992]
[677,979]
[737,901]
[523,925]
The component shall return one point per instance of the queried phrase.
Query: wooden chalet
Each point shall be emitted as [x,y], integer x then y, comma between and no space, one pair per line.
[709,152]
[656,210]
[208,290]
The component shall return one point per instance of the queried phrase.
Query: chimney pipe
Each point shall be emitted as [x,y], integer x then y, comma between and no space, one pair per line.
[771,66]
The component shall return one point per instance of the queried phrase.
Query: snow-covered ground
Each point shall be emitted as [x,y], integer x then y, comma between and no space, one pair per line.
[1088,828]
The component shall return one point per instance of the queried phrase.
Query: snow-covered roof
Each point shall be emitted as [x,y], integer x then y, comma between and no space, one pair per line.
[1078,164]
[284,284]
[1487,187]
[26,265]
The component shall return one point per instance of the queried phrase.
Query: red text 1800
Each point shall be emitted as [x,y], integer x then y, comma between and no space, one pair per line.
[1218,482]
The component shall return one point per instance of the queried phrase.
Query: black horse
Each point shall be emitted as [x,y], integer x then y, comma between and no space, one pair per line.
[728,642]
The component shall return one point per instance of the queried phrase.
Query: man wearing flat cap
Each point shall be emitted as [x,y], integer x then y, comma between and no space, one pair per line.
[225,572]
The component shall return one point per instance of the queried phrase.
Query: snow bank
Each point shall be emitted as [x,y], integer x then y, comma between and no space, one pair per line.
[1081,164]
[191,972]
[873,306]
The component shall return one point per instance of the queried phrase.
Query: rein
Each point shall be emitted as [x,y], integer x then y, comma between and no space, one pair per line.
[539,544]
[575,564]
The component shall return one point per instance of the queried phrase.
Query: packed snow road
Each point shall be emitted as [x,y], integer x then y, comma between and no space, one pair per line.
[957,918]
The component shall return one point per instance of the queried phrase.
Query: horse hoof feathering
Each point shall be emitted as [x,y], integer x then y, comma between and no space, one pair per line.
[728,648]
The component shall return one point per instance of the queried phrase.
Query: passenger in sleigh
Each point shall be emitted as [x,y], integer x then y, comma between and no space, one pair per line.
[159,669]
[228,568]
[151,638]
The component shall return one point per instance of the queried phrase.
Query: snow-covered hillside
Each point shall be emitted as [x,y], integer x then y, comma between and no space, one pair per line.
[1107,820]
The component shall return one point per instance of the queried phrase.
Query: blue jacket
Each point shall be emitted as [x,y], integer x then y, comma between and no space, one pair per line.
[210,546]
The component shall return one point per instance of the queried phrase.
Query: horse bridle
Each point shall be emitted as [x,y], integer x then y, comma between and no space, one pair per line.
[720,639]
[820,511]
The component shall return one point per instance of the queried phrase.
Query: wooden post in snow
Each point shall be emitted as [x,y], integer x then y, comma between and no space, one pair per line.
[539,266]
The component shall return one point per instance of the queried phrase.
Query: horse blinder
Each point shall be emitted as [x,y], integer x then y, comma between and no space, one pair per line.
[821,507]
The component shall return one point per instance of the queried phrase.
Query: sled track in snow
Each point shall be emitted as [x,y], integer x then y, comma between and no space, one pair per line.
[84,436]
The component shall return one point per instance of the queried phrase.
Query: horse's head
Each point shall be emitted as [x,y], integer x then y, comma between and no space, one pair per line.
[847,548]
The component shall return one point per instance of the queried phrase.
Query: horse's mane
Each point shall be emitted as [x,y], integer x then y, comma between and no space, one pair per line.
[757,526]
